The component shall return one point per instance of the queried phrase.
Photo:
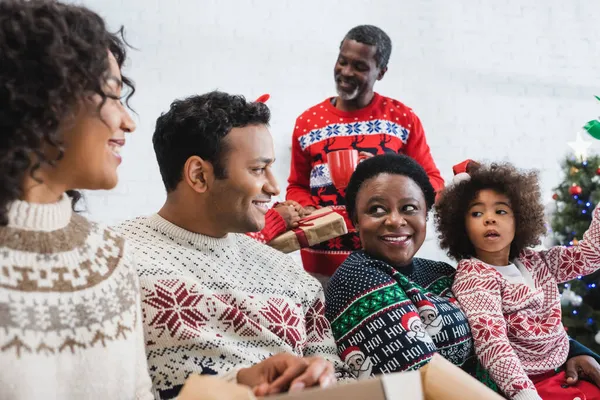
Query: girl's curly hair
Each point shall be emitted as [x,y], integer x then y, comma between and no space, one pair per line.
[521,187]
[51,55]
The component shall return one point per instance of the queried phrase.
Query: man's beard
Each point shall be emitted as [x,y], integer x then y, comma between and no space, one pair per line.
[344,95]
[347,96]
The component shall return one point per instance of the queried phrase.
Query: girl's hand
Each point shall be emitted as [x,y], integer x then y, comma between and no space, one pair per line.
[582,367]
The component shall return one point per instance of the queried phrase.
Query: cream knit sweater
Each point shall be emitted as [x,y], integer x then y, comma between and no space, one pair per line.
[70,321]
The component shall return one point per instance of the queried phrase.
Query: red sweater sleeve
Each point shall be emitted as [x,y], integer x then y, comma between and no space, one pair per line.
[299,181]
[274,226]
[418,149]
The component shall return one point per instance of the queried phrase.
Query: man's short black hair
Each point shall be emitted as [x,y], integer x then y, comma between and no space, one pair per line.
[372,36]
[197,126]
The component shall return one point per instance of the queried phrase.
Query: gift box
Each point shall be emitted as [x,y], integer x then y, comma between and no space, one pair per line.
[438,380]
[323,224]
[204,387]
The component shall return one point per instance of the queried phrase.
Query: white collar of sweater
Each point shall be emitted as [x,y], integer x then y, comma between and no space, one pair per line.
[40,217]
[196,239]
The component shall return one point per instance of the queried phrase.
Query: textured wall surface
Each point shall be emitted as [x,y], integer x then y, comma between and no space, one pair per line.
[510,80]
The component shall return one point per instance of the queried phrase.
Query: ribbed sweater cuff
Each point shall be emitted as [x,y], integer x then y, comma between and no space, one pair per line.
[274,225]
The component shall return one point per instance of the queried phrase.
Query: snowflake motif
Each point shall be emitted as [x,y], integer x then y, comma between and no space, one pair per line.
[177,309]
[238,316]
[391,128]
[318,171]
[335,243]
[356,242]
[404,135]
[303,142]
[317,326]
[485,329]
[542,325]
[571,263]
[332,130]
[517,323]
[374,126]
[283,321]
[353,128]
[315,135]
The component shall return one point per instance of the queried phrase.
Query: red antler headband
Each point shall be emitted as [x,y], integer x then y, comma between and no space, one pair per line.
[263,98]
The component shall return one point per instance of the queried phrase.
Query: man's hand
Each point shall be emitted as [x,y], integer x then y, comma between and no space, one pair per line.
[284,372]
[308,210]
[303,212]
[582,367]
[289,214]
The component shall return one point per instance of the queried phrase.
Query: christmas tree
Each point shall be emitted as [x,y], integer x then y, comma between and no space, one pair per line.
[575,199]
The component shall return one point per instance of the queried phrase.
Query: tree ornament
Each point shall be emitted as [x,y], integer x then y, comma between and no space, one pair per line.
[575,190]
[593,128]
[598,171]
[573,170]
[555,195]
[567,296]
[576,301]
[575,242]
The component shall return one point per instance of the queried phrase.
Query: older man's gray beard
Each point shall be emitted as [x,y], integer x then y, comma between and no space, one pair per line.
[347,96]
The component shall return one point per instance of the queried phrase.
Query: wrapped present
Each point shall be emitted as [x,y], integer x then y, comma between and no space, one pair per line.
[323,224]
[438,380]
[202,387]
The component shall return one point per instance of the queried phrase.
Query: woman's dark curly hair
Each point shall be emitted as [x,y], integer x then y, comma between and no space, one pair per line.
[51,55]
[393,164]
[522,189]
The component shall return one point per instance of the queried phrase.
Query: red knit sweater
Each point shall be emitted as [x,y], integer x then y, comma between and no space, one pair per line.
[274,226]
[384,126]
[517,330]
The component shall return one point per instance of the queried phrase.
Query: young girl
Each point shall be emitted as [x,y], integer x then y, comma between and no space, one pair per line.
[488,220]
[70,319]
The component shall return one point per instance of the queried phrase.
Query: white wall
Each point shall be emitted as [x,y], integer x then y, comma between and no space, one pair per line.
[510,80]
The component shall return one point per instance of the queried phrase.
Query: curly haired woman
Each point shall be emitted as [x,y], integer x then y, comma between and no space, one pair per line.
[70,325]
[488,221]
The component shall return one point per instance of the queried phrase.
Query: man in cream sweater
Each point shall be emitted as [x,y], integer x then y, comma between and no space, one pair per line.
[214,300]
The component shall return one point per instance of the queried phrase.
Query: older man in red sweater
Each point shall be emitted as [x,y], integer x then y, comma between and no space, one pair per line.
[357,118]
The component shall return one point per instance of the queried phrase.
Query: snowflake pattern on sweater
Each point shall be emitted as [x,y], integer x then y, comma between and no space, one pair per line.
[213,305]
[397,321]
[384,126]
[517,329]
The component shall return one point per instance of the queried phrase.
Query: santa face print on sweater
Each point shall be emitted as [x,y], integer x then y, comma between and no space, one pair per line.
[430,317]
[360,365]
[415,327]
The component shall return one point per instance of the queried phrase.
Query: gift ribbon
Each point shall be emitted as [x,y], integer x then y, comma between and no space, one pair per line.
[305,223]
